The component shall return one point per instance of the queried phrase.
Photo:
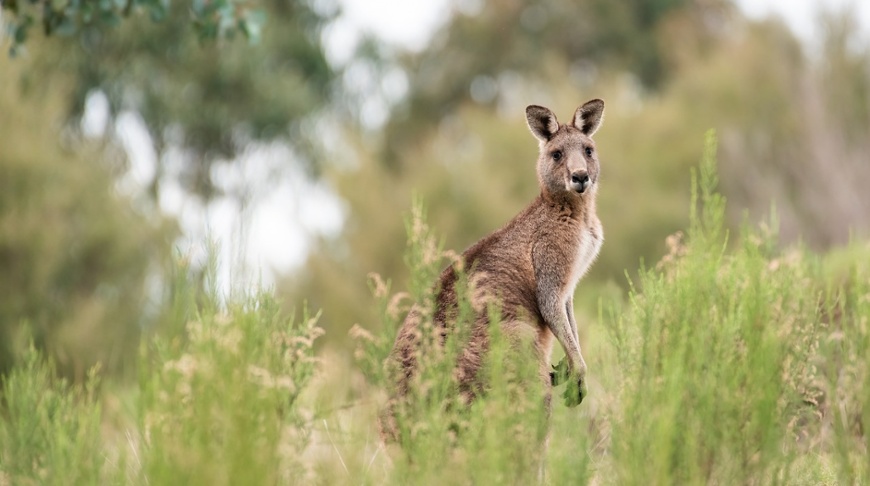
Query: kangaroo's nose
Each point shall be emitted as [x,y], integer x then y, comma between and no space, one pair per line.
[579,180]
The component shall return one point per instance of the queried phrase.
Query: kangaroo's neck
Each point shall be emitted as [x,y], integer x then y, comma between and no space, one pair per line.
[575,206]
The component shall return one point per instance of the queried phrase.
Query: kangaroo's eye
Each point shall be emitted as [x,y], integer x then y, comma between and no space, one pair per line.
[557,155]
[589,151]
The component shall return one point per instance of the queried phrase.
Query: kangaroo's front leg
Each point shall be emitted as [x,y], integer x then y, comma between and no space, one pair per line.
[576,390]
[559,319]
[573,369]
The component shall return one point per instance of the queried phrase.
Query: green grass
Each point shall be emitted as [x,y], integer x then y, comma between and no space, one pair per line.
[730,361]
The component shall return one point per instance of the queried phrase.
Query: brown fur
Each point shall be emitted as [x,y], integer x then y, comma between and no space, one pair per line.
[530,267]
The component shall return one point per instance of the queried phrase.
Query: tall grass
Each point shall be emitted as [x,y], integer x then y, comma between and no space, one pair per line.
[731,361]
[717,356]
[50,429]
[216,402]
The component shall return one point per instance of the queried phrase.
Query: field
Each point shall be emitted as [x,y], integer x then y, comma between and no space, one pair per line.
[732,360]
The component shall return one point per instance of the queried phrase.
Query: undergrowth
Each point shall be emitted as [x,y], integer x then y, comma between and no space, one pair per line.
[731,361]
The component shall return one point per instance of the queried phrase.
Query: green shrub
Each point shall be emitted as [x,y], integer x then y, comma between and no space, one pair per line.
[845,366]
[717,355]
[49,428]
[219,402]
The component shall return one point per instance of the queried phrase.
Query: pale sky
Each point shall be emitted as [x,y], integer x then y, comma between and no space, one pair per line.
[801,15]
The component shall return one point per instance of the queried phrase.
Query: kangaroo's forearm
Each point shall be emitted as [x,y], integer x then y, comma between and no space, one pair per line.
[560,323]
[580,362]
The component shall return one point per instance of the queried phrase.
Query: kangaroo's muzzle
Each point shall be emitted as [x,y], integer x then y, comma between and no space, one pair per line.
[580,181]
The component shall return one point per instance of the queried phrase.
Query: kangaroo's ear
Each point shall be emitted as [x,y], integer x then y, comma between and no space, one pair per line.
[542,122]
[588,117]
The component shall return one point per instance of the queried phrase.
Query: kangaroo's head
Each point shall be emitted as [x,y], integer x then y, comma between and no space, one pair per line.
[568,160]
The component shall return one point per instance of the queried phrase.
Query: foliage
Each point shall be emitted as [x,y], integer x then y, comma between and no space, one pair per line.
[50,429]
[222,18]
[76,256]
[202,103]
[219,403]
[716,355]
[83,263]
[739,358]
[216,403]
[588,36]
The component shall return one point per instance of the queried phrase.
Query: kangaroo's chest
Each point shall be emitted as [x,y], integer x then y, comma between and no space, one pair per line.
[587,245]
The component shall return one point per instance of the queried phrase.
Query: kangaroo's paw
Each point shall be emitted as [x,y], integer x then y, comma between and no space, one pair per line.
[575,392]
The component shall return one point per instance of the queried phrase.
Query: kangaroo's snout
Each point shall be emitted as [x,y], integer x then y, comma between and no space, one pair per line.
[580,181]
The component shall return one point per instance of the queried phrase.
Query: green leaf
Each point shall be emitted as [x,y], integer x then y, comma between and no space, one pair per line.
[560,373]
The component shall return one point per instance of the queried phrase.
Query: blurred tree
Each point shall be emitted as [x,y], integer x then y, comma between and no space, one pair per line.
[82,267]
[211,19]
[76,257]
[793,128]
[201,102]
[482,52]
[845,59]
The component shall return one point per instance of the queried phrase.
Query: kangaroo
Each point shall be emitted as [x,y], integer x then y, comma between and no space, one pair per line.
[530,267]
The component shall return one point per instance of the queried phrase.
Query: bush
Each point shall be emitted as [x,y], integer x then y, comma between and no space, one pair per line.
[219,402]
[216,404]
[50,429]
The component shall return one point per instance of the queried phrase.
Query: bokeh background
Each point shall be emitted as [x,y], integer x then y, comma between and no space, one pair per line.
[291,157]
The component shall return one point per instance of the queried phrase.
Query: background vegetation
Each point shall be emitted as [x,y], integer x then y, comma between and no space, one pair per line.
[733,351]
